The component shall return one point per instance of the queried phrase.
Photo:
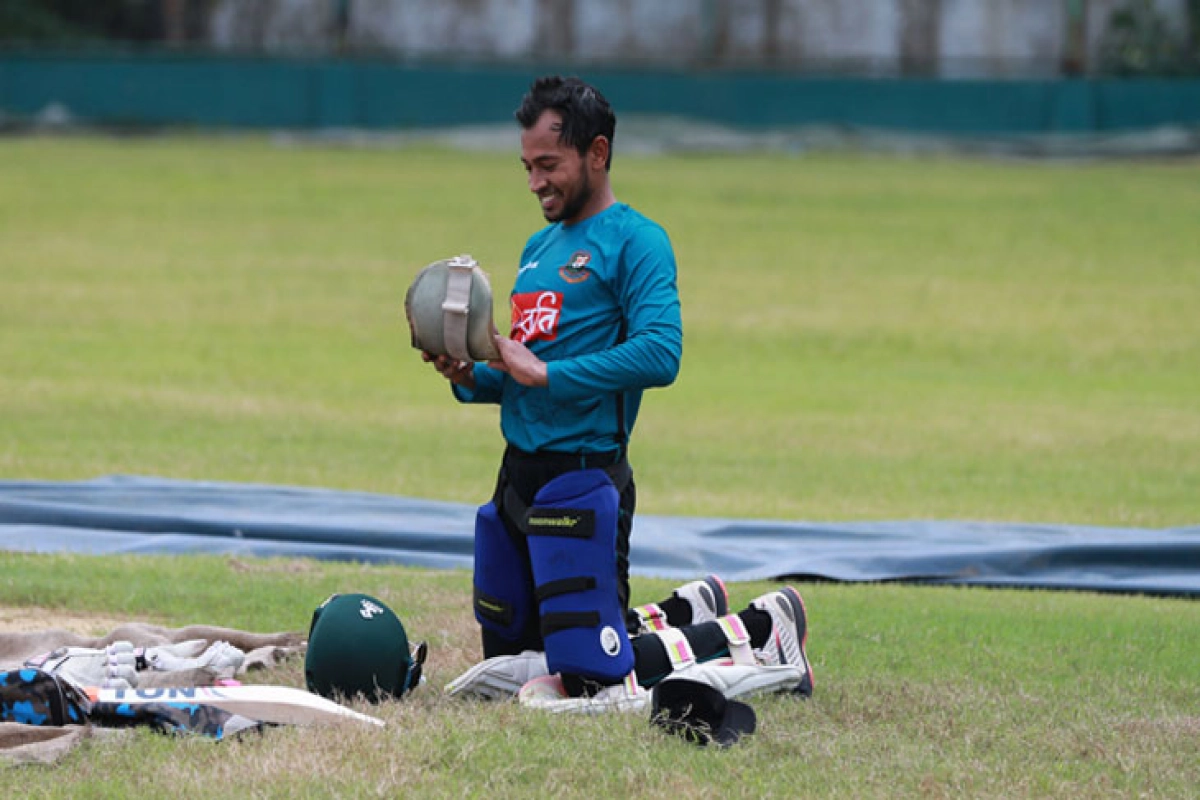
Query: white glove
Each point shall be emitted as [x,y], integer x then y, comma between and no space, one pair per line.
[114,667]
[547,694]
[221,658]
[499,677]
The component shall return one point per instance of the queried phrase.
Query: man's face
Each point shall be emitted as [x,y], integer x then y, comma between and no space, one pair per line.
[557,172]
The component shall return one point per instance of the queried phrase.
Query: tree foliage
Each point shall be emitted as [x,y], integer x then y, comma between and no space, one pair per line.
[66,21]
[1139,42]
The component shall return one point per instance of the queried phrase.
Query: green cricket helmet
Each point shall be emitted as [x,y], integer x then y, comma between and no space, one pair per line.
[449,310]
[357,646]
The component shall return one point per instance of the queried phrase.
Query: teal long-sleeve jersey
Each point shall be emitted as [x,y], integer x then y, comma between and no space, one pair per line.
[598,302]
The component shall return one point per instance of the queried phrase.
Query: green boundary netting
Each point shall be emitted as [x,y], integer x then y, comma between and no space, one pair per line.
[163,89]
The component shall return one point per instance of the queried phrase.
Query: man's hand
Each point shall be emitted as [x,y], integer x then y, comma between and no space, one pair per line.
[457,372]
[519,362]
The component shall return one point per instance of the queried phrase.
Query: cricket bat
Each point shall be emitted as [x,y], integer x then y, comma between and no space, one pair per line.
[279,705]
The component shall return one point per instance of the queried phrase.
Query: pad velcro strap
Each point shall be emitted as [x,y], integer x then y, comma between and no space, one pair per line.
[564,620]
[565,586]
[652,617]
[679,649]
[492,608]
[456,308]
[738,638]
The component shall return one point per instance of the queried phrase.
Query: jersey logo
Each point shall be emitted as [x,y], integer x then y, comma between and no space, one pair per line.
[535,316]
[575,270]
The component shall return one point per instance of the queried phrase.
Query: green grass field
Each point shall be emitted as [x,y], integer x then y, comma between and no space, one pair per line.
[866,338]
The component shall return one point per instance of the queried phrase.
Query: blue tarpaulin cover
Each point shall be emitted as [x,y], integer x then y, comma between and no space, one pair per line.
[121,514]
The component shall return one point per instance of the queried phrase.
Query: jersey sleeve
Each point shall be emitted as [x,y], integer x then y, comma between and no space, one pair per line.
[651,352]
[489,385]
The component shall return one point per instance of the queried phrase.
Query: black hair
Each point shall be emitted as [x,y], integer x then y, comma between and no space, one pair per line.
[584,111]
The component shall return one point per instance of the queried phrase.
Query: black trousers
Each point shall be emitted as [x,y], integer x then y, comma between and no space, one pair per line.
[521,476]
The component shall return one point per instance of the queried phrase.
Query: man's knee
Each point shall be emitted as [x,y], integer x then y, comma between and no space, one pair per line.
[572,533]
[503,587]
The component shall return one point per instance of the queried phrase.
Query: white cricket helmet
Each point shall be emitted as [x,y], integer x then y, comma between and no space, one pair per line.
[449,310]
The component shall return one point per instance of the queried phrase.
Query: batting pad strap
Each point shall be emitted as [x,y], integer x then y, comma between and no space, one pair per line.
[564,586]
[652,617]
[679,649]
[738,638]
[556,621]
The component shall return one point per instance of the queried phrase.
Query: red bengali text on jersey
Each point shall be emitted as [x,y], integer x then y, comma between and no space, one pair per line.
[535,315]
